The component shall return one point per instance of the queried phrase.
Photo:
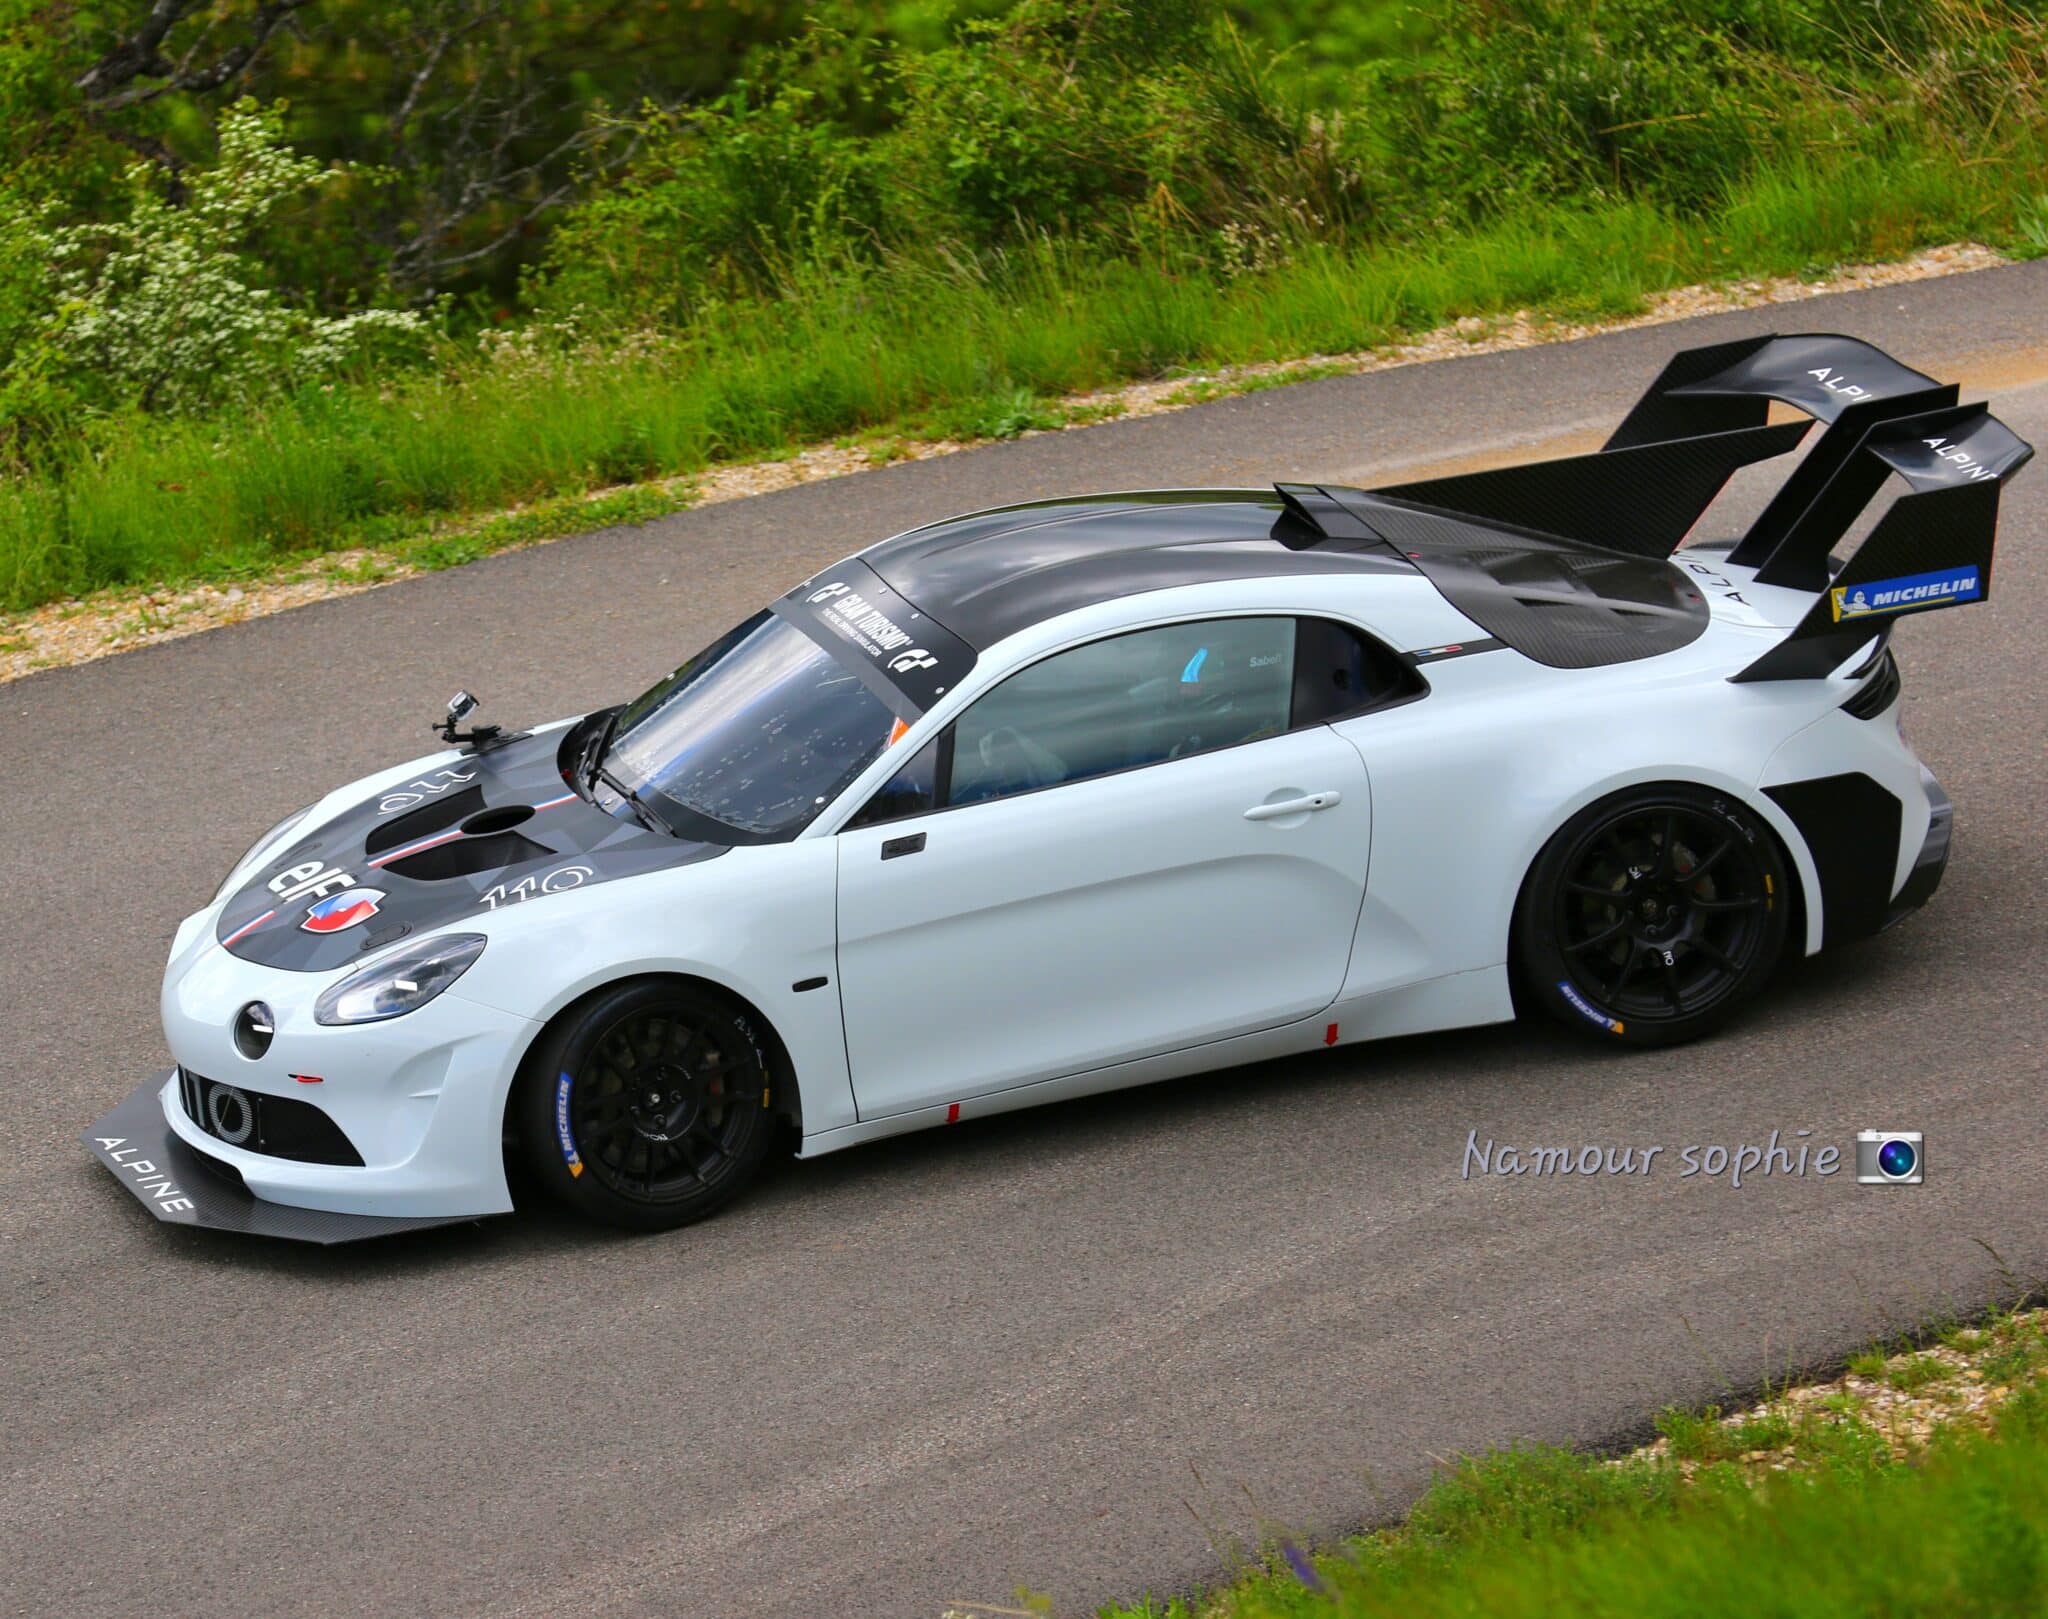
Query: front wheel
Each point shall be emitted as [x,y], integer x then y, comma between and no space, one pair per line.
[1652,915]
[648,1105]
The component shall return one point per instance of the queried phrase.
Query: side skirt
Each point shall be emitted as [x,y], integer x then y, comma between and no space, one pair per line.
[1456,1001]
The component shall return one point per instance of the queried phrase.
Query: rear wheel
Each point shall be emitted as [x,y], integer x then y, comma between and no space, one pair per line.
[1653,915]
[648,1105]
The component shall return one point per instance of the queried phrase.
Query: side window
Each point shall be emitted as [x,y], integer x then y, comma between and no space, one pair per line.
[1340,671]
[1131,700]
[913,790]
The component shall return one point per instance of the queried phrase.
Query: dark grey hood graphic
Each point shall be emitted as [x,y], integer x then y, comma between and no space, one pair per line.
[460,841]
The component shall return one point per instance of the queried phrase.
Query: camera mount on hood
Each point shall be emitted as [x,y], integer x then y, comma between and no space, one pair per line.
[480,739]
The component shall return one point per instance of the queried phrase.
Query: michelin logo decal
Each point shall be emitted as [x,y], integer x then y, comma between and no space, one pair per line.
[1901,595]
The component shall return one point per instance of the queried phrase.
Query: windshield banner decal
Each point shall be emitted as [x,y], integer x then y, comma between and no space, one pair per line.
[849,608]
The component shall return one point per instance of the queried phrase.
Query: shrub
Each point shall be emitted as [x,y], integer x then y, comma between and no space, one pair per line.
[167,310]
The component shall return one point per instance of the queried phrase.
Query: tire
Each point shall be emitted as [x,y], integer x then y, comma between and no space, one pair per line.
[647,1105]
[1653,915]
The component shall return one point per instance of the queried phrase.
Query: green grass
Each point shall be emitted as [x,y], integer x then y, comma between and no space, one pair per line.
[923,349]
[1830,1518]
[1538,1532]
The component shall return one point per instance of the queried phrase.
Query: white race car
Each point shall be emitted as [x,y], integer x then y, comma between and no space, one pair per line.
[1094,792]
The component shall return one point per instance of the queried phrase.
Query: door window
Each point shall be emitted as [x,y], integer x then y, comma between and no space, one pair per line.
[1127,701]
[1144,698]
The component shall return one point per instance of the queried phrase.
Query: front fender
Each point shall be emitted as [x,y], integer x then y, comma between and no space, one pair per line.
[756,922]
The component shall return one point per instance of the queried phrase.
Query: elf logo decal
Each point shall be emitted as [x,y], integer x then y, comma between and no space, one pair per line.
[1902,595]
[343,910]
[563,1133]
[1586,1008]
[418,792]
[558,881]
[313,877]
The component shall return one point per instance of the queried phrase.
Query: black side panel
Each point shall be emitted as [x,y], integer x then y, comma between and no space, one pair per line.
[1558,603]
[1851,827]
[1642,500]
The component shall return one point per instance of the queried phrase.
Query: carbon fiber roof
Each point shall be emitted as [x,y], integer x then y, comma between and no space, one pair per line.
[989,574]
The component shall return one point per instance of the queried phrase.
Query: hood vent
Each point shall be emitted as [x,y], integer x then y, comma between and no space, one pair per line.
[469,857]
[437,815]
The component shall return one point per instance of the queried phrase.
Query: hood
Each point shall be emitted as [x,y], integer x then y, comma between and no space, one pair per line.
[461,841]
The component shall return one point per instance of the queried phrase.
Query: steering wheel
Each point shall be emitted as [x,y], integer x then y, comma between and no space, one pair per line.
[1007,752]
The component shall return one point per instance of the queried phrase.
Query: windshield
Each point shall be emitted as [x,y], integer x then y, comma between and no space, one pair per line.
[754,735]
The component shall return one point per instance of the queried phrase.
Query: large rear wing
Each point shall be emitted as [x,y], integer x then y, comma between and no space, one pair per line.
[1705,417]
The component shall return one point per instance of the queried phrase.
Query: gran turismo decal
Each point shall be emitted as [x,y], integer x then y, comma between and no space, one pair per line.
[1883,596]
[558,881]
[428,786]
[869,628]
[1586,1008]
[343,910]
[563,1133]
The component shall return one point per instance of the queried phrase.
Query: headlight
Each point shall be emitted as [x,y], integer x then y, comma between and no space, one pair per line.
[242,865]
[400,982]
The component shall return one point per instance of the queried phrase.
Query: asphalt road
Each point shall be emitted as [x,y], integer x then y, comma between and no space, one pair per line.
[1086,1349]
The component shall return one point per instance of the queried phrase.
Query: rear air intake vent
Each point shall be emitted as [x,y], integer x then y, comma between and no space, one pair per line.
[1882,690]
[468,857]
[436,815]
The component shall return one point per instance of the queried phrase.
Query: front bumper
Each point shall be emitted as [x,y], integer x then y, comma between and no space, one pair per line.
[183,1186]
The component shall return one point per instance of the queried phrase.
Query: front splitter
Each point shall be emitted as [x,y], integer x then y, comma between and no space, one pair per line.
[183,1187]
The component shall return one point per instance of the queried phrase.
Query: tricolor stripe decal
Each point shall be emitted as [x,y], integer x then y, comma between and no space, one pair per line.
[247,927]
[1453,649]
[415,848]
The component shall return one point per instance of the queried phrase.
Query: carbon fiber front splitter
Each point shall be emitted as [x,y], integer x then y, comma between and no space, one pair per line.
[183,1187]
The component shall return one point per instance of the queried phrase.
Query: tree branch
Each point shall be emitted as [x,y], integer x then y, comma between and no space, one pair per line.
[137,70]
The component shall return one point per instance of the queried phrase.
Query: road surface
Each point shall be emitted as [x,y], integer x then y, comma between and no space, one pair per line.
[1087,1349]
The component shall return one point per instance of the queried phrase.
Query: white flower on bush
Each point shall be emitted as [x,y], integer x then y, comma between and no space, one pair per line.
[164,307]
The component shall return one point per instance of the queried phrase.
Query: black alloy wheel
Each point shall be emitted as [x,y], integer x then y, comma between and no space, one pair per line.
[648,1105]
[1651,916]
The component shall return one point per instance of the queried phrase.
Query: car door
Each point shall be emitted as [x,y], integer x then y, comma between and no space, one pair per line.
[1124,849]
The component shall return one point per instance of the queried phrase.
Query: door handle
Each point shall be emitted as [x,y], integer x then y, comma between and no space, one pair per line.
[894,848]
[1293,806]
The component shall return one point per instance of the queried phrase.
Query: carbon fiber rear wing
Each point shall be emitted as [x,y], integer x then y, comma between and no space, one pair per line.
[1931,549]
[1705,417]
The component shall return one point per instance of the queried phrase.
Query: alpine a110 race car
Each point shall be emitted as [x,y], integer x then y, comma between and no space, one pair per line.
[1093,792]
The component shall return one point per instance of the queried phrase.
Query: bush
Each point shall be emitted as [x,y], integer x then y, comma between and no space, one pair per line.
[167,310]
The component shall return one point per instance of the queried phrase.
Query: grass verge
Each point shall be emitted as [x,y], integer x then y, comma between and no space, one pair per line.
[1915,1485]
[913,349]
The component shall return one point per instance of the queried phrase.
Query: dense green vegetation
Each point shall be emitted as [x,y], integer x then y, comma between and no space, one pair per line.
[302,273]
[1958,1529]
